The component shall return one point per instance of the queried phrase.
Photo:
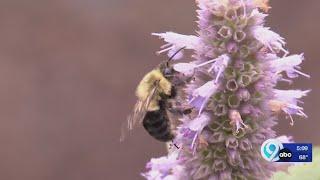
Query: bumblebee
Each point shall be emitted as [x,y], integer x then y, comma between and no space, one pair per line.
[157,100]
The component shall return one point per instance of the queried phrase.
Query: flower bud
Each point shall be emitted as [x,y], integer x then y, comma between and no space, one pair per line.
[236,120]
[229,73]
[231,15]
[233,101]
[220,110]
[244,51]
[219,165]
[245,144]
[232,48]
[216,137]
[232,143]
[220,153]
[239,36]
[225,32]
[219,97]
[244,80]
[244,95]
[232,85]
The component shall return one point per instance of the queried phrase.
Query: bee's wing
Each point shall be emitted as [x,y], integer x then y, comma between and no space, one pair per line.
[139,112]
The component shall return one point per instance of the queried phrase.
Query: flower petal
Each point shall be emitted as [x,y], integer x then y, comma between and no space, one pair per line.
[176,41]
[185,68]
[269,38]
[220,65]
[201,96]
[285,139]
[288,65]
[290,96]
[199,123]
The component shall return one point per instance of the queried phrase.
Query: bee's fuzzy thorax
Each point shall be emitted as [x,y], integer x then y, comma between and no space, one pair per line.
[147,84]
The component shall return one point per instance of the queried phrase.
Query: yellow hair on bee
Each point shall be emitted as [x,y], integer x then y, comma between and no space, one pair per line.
[148,83]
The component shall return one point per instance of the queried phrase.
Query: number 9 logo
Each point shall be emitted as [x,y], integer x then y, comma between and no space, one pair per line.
[270,150]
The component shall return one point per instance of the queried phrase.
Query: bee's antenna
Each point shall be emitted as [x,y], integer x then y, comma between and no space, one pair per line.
[175,54]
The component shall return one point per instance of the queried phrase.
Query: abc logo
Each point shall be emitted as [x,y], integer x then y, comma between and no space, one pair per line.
[285,155]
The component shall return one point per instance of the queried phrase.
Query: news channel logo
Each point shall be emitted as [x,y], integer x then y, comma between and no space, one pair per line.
[273,150]
[270,150]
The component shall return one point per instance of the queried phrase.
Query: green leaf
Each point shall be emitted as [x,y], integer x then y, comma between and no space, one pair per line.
[305,171]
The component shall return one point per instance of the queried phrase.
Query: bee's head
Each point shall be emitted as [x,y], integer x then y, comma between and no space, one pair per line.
[166,69]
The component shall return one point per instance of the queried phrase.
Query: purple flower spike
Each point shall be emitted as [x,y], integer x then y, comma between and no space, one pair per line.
[236,65]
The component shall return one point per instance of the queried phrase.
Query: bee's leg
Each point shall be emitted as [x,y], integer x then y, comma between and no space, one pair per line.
[173,92]
[188,79]
[176,107]
[181,80]
[163,96]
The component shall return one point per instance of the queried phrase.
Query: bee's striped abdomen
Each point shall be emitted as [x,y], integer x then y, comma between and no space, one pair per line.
[157,125]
